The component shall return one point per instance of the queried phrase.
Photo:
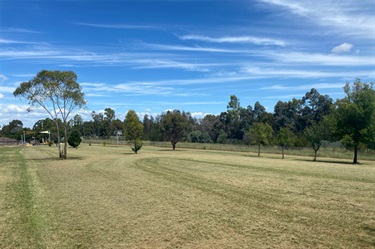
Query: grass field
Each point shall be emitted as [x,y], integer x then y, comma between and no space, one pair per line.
[108,197]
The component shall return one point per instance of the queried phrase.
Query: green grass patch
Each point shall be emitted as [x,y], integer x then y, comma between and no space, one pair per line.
[109,197]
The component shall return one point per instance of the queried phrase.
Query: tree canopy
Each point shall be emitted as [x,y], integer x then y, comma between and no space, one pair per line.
[355,116]
[174,125]
[133,130]
[58,93]
[260,133]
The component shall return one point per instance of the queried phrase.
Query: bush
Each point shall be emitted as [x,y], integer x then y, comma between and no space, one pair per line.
[199,137]
[50,143]
[74,139]
[137,145]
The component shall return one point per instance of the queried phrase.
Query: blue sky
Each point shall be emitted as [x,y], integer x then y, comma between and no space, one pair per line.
[152,56]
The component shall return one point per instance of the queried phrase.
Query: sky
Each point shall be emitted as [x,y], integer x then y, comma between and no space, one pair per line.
[153,56]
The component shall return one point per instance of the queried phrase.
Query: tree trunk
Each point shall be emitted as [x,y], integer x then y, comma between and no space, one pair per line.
[259,150]
[58,139]
[282,151]
[65,142]
[174,146]
[135,147]
[355,160]
[315,152]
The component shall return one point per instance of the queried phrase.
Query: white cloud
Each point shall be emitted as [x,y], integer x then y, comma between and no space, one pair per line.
[3,78]
[6,41]
[236,39]
[350,17]
[15,109]
[305,87]
[343,48]
[118,26]
[293,7]
[199,115]
[288,73]
[1,96]
[7,89]
[18,30]
[157,63]
[321,59]
[195,49]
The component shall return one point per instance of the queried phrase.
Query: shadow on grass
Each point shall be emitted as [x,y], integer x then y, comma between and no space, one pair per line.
[170,149]
[130,153]
[51,158]
[370,231]
[327,160]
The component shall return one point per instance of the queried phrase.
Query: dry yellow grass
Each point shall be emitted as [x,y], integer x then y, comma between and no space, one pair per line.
[108,197]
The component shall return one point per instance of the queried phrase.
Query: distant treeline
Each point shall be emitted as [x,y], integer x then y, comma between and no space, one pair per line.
[297,123]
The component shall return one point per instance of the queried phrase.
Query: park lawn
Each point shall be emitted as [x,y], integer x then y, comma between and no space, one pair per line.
[108,197]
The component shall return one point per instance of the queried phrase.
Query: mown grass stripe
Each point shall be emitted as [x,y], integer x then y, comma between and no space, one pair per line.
[27,221]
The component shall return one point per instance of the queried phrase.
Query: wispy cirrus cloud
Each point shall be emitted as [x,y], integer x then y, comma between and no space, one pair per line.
[134,60]
[320,59]
[7,41]
[117,26]
[305,87]
[296,73]
[19,30]
[195,49]
[158,63]
[349,17]
[136,88]
[235,39]
[3,78]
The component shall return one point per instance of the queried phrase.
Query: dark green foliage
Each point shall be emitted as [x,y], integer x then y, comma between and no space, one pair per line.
[133,130]
[13,130]
[260,134]
[285,138]
[74,139]
[316,134]
[355,116]
[137,146]
[57,89]
[174,125]
[199,137]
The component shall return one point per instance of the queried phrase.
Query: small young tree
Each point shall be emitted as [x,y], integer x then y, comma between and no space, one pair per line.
[74,139]
[260,134]
[284,138]
[174,125]
[316,134]
[133,130]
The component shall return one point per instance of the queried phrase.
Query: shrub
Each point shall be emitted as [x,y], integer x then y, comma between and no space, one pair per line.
[137,146]
[74,139]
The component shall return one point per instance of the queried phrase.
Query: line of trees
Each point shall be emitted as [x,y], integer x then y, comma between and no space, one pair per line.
[308,121]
